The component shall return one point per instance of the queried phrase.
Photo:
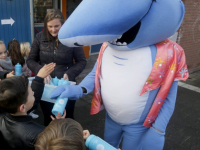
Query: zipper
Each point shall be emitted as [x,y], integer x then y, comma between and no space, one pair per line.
[54,60]
[54,57]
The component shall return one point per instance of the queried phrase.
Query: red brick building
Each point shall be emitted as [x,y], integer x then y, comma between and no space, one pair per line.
[189,34]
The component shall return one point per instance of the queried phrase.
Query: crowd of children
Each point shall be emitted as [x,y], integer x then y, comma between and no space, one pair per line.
[17,97]
[16,53]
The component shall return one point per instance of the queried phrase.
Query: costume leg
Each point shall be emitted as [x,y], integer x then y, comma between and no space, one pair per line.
[132,136]
[113,132]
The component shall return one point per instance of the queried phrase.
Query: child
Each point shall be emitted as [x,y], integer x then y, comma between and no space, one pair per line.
[5,62]
[62,134]
[25,49]
[17,129]
[16,57]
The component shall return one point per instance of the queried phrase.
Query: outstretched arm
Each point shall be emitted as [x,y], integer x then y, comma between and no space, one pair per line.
[88,81]
[38,83]
[74,92]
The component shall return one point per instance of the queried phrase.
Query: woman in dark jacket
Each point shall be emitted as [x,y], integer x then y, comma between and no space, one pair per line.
[45,49]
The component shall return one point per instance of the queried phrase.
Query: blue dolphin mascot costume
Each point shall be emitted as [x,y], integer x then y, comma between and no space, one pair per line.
[131,30]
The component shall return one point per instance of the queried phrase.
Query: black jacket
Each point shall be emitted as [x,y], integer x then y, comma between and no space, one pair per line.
[20,132]
[68,60]
[3,74]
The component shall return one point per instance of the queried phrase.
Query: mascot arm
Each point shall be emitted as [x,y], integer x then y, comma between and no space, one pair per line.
[167,109]
[154,138]
[74,92]
[88,81]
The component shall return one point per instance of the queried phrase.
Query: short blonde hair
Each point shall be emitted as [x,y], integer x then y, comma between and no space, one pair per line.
[1,42]
[25,48]
[61,134]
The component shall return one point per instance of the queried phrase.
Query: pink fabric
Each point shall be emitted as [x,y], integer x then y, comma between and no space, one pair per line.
[96,100]
[170,64]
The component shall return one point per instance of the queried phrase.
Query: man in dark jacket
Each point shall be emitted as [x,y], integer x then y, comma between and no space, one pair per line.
[17,129]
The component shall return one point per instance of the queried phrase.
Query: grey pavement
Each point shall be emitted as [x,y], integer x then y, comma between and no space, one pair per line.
[183,131]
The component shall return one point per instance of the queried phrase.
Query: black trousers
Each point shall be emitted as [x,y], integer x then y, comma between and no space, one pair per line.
[47,108]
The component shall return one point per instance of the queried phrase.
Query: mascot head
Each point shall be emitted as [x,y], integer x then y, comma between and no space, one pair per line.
[124,24]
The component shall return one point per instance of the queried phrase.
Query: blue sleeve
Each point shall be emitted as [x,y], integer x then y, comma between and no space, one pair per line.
[153,139]
[167,109]
[89,80]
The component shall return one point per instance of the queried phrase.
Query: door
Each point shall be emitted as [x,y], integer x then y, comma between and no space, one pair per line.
[15,20]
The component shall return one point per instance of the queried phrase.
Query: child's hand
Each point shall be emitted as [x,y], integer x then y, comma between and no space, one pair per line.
[10,74]
[59,116]
[86,134]
[46,70]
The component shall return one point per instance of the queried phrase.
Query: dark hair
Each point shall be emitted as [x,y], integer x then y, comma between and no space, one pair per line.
[15,53]
[13,93]
[52,14]
[61,134]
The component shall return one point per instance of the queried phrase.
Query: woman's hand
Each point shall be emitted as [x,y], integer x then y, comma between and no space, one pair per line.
[86,134]
[10,74]
[47,79]
[59,116]
[65,76]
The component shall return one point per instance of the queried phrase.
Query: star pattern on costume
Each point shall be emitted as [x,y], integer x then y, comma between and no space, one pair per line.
[159,62]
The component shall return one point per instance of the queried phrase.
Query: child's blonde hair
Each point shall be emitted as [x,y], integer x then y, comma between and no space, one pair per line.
[1,42]
[62,134]
[25,49]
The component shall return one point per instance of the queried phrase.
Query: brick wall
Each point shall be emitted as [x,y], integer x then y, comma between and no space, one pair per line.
[189,34]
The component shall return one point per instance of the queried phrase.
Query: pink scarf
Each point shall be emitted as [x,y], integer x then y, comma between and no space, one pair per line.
[170,64]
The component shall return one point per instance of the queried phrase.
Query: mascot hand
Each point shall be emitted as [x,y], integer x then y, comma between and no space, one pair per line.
[153,140]
[72,92]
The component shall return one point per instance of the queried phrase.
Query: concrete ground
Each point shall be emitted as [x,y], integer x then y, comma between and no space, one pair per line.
[183,131]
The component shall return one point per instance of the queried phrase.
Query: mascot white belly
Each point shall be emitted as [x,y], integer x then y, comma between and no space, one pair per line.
[120,85]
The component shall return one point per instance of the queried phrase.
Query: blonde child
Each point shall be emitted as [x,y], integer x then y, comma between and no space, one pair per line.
[25,49]
[16,57]
[62,134]
[5,63]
